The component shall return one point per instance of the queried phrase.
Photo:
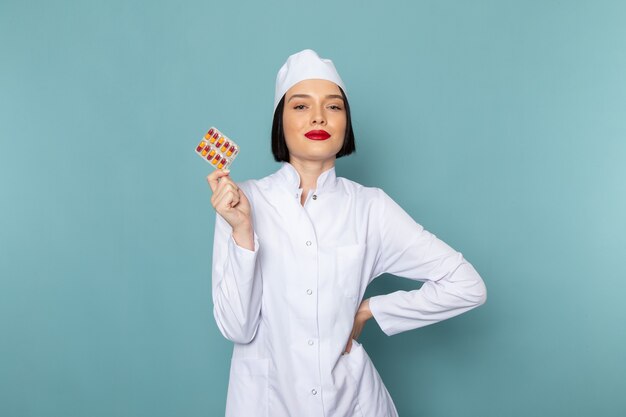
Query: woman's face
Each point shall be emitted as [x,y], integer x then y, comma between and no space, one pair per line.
[313,107]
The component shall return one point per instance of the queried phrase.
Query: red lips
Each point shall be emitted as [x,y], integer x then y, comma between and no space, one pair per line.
[317,134]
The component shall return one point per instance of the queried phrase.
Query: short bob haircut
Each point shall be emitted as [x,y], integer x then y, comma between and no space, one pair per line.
[279,146]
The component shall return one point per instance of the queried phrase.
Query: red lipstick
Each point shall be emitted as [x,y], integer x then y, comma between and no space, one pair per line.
[317,135]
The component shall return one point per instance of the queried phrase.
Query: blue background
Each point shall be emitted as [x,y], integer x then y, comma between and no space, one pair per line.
[498,125]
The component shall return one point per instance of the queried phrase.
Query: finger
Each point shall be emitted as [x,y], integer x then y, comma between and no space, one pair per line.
[221,182]
[355,334]
[236,199]
[213,178]
[242,195]
[227,181]
[229,200]
[224,188]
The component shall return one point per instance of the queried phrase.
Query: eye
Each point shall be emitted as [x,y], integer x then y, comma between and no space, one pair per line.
[335,107]
[299,106]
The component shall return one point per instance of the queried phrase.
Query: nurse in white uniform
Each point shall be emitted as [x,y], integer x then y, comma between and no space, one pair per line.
[294,252]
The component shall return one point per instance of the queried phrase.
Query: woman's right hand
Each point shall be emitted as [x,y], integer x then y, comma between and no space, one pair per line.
[230,201]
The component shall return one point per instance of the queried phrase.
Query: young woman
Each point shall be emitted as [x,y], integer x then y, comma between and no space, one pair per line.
[294,252]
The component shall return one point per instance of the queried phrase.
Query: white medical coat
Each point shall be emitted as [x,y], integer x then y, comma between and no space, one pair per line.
[289,304]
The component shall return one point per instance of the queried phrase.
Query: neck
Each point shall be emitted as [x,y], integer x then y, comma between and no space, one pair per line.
[310,171]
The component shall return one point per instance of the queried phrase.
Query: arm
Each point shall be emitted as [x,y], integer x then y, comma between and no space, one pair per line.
[451,284]
[237,284]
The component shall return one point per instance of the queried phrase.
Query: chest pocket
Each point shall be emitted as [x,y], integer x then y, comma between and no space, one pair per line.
[349,260]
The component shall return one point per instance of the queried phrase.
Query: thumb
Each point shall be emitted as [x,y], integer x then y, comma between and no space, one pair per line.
[213,178]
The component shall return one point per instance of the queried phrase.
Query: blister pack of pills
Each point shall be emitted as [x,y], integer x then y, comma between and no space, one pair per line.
[217,149]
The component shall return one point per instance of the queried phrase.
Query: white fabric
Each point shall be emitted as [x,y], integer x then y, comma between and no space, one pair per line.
[289,304]
[305,65]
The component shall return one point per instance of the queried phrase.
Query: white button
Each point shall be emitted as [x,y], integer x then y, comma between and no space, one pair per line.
[310,342]
[314,391]
[308,243]
[314,196]
[309,291]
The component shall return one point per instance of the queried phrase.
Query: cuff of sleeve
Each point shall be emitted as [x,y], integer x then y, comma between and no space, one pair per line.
[242,261]
[377,312]
[240,249]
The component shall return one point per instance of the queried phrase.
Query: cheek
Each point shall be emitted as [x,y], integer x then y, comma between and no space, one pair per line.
[290,122]
[290,128]
[341,123]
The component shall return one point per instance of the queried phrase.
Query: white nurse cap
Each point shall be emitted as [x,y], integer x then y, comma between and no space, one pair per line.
[305,65]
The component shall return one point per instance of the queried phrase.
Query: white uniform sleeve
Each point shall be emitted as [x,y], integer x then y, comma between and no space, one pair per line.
[237,285]
[451,284]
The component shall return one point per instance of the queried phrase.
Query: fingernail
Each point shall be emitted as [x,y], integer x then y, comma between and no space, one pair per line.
[227,171]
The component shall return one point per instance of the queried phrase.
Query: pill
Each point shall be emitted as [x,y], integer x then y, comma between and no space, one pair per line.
[224,146]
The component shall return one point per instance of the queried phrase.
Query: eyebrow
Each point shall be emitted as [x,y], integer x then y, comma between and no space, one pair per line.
[308,96]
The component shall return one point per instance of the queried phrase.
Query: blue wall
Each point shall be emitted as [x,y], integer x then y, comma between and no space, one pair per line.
[505,131]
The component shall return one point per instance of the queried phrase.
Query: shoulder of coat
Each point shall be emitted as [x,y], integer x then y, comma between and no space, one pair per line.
[358,188]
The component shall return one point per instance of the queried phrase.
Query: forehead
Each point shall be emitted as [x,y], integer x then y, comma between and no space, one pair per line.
[314,87]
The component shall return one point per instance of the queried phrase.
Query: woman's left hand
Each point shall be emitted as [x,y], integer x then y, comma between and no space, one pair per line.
[363,314]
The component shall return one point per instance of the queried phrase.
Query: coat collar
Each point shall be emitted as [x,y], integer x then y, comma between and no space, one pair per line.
[289,177]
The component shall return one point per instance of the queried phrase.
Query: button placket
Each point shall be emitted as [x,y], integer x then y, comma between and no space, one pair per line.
[309,285]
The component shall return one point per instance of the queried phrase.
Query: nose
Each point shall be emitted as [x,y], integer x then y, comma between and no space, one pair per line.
[318,116]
